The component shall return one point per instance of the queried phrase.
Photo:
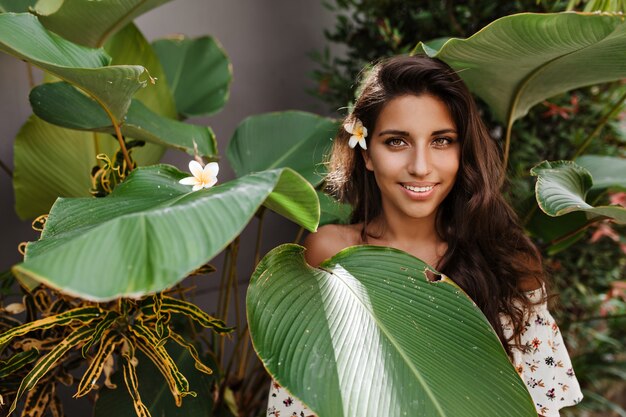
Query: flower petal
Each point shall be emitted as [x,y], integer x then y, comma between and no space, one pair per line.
[349,126]
[212,169]
[364,131]
[210,183]
[195,168]
[362,143]
[353,141]
[189,181]
[197,187]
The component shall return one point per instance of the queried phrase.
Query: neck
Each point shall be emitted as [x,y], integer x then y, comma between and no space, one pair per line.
[399,231]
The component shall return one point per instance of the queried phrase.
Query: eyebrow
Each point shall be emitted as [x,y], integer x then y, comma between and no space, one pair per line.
[403,133]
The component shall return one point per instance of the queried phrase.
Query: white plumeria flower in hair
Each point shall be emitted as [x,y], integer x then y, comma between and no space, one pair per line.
[358,132]
[202,177]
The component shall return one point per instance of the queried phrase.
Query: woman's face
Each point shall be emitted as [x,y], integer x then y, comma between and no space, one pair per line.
[414,153]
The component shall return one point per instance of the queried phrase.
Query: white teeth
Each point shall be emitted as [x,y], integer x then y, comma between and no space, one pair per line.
[418,189]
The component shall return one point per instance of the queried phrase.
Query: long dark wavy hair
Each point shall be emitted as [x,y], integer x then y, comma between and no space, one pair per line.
[488,254]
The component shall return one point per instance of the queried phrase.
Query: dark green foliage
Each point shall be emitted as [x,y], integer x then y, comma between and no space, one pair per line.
[592,323]
[372,29]
[555,129]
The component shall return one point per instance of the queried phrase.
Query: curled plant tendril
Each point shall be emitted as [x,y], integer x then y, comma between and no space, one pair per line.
[109,173]
[39,223]
[21,248]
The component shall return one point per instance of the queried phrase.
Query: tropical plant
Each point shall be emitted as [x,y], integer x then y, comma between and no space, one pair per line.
[512,64]
[102,285]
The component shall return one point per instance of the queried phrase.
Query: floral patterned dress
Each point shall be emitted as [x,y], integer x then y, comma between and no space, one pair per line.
[544,366]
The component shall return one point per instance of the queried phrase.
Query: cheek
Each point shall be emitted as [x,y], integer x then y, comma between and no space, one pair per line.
[453,164]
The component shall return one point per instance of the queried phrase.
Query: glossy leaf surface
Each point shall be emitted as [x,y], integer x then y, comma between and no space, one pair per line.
[561,188]
[63,105]
[198,72]
[520,60]
[152,231]
[130,47]
[375,338]
[22,36]
[52,162]
[606,171]
[332,211]
[91,23]
[293,139]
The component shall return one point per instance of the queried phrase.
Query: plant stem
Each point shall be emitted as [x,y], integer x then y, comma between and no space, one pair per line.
[6,169]
[258,377]
[220,299]
[243,363]
[236,296]
[575,232]
[31,79]
[118,134]
[259,235]
[96,146]
[507,144]
[228,368]
[600,125]
[237,347]
[299,235]
[232,267]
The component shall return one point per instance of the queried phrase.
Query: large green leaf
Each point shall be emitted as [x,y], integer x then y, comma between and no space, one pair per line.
[90,23]
[63,105]
[198,72]
[130,47]
[560,232]
[332,211]
[607,171]
[53,162]
[152,231]
[557,233]
[366,335]
[561,188]
[520,60]
[23,36]
[293,139]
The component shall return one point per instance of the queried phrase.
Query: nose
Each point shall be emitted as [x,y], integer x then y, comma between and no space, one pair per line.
[420,163]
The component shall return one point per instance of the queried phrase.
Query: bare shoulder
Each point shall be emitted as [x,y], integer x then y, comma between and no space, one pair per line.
[329,240]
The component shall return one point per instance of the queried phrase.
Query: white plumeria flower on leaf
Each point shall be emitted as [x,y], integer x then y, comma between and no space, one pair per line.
[202,177]
[358,132]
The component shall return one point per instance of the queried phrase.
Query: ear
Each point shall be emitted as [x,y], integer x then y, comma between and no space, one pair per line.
[366,158]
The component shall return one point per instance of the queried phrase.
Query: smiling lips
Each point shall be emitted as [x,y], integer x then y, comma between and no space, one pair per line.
[418,189]
[418,192]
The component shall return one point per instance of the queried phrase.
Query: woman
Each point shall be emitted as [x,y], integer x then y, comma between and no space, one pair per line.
[422,174]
